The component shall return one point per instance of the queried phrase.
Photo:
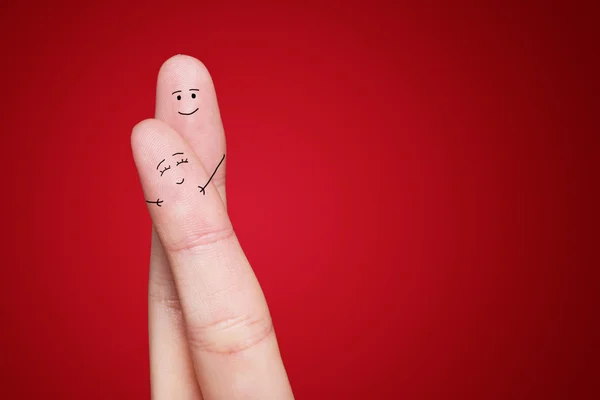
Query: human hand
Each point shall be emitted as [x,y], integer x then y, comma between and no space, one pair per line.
[211,335]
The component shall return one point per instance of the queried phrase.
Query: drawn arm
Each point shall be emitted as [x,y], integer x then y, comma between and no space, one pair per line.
[157,202]
[213,174]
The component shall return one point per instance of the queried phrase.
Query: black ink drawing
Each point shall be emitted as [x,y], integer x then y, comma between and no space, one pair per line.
[157,202]
[193,95]
[213,174]
[179,161]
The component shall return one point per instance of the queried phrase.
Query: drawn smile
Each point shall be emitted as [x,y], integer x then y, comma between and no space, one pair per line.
[187,113]
[179,183]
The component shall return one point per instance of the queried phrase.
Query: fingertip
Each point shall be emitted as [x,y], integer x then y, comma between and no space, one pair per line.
[145,132]
[186,100]
[139,130]
[146,138]
[182,67]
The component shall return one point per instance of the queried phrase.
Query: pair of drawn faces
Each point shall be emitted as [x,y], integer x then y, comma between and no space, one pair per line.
[177,159]
[179,95]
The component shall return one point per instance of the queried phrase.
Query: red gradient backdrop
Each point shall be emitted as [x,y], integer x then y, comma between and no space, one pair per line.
[414,186]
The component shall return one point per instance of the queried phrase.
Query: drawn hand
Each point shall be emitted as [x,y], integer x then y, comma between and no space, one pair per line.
[157,202]
[211,335]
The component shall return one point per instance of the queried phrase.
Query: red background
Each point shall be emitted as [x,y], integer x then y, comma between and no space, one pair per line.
[413,185]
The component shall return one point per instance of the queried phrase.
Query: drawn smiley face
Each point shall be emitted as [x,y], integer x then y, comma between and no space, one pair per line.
[178,162]
[179,180]
[181,95]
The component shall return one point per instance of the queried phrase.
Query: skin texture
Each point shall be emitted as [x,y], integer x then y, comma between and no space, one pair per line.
[211,335]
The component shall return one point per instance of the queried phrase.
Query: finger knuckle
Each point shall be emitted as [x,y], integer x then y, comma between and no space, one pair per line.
[231,335]
[201,240]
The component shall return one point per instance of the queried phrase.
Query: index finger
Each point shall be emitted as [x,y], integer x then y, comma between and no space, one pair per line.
[228,325]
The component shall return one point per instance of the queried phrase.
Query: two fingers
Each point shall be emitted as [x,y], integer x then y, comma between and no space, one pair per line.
[214,336]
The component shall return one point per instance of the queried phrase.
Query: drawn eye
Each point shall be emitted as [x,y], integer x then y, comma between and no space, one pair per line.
[182,161]
[164,170]
[178,97]
[193,95]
